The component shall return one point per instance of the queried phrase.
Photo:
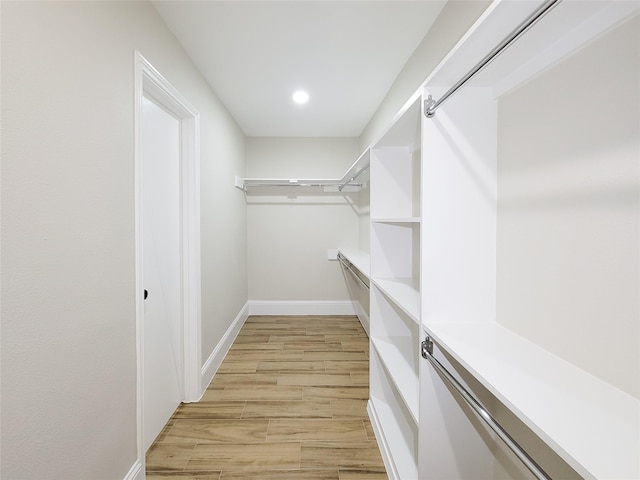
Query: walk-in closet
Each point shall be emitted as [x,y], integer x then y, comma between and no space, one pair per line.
[426,266]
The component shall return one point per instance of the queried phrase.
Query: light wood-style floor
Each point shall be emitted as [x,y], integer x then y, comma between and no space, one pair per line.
[288,402]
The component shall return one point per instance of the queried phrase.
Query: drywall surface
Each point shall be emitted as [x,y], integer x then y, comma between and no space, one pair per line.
[568,265]
[68,284]
[290,229]
[452,23]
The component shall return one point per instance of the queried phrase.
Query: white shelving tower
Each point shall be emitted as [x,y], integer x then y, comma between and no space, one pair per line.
[435,251]
[395,291]
[574,424]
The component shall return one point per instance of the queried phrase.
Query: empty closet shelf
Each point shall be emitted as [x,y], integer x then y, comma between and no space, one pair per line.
[396,220]
[353,271]
[329,184]
[401,372]
[590,424]
[358,259]
[481,412]
[404,292]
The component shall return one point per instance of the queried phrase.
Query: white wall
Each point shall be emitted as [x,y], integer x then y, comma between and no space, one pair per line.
[68,312]
[568,263]
[290,230]
[289,235]
[452,23]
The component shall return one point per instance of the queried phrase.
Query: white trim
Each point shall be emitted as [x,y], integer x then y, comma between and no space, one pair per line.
[190,132]
[136,472]
[317,307]
[150,83]
[363,317]
[214,361]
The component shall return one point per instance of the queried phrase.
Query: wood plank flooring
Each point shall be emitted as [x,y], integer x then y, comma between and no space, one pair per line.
[288,402]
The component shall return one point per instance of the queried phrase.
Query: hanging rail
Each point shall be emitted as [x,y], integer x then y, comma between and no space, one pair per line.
[244,183]
[427,353]
[431,105]
[360,166]
[345,262]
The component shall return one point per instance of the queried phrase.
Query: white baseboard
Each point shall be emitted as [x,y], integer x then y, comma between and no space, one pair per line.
[136,472]
[265,307]
[214,361]
[363,317]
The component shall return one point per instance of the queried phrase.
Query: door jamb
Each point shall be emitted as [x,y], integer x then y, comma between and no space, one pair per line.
[151,84]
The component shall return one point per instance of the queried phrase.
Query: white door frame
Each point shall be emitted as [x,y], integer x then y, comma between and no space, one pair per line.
[151,84]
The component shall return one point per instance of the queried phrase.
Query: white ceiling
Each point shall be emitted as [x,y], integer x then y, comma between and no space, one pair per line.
[346,54]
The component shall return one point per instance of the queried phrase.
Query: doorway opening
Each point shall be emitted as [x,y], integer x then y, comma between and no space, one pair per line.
[162,113]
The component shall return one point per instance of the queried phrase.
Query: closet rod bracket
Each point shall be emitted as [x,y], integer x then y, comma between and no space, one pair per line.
[426,347]
[428,105]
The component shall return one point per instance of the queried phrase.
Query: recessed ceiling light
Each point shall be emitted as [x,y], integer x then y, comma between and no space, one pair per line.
[300,97]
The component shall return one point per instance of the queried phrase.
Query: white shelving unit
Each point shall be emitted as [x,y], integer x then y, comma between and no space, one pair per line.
[395,291]
[347,183]
[439,229]
[574,423]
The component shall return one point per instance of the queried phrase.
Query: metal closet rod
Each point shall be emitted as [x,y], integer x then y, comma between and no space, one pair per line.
[431,105]
[476,406]
[303,184]
[352,178]
[347,265]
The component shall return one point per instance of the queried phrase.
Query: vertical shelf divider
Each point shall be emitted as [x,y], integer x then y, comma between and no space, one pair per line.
[396,168]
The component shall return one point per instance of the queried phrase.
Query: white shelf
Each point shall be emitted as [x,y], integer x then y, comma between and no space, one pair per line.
[404,292]
[347,183]
[394,439]
[403,374]
[396,220]
[566,29]
[328,184]
[359,259]
[592,425]
[405,129]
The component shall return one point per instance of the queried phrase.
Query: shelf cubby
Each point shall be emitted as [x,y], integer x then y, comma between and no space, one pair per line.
[396,174]
[395,167]
[396,341]
[393,423]
[395,250]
